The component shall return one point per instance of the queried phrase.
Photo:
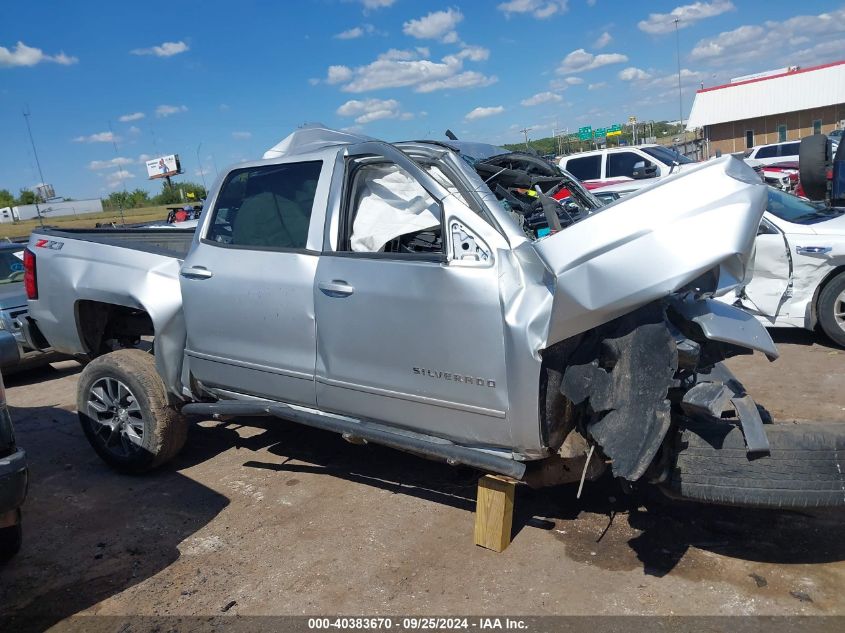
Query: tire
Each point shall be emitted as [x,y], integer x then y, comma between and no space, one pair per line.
[124,412]
[806,467]
[10,540]
[830,304]
[813,160]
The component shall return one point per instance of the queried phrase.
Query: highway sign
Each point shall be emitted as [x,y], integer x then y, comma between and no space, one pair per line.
[585,133]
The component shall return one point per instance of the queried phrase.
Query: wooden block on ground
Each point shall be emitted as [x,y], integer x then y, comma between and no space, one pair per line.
[494,512]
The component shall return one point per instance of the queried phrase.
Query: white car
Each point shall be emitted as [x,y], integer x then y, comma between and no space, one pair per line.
[773,153]
[638,162]
[799,267]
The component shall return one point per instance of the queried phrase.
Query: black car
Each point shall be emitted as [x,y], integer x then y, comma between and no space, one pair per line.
[13,471]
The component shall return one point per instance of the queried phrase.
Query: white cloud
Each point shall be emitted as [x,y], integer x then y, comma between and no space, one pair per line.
[118,161]
[135,116]
[115,179]
[540,9]
[688,14]
[597,86]
[591,3]
[405,68]
[338,74]
[633,74]
[481,112]
[23,55]
[603,40]
[573,81]
[168,110]
[143,158]
[437,25]
[773,44]
[467,79]
[133,129]
[241,136]
[167,49]
[356,32]
[377,4]
[580,61]
[368,110]
[99,137]
[541,97]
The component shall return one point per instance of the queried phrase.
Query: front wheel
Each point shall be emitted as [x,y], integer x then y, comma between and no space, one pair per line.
[124,412]
[831,309]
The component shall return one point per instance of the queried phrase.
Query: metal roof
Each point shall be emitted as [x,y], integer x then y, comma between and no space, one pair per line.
[803,89]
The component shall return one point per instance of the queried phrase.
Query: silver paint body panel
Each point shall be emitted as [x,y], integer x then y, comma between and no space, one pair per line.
[263,327]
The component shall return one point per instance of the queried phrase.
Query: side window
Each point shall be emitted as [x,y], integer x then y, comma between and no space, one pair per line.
[769,151]
[388,211]
[266,207]
[790,149]
[622,164]
[585,168]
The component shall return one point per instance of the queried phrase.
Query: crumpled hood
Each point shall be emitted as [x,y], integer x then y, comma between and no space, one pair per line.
[652,243]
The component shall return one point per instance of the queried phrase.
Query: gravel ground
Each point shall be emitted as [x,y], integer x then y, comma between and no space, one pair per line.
[263,517]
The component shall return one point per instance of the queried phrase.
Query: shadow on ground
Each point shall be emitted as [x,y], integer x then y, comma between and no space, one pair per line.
[89,533]
[605,527]
[797,336]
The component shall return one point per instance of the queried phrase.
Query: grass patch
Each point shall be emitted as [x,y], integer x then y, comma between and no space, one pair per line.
[84,220]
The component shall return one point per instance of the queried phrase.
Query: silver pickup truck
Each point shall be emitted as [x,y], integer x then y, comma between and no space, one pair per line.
[383,292]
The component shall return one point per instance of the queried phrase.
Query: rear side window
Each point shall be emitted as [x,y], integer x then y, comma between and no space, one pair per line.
[622,164]
[790,149]
[585,168]
[769,151]
[267,207]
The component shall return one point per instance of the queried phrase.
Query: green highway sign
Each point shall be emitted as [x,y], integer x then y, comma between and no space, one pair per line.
[585,133]
[615,128]
[600,132]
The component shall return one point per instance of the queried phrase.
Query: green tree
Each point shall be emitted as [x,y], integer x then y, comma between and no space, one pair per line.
[6,198]
[27,197]
[170,194]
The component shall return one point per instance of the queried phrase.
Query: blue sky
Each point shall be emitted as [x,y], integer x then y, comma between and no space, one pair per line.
[237,77]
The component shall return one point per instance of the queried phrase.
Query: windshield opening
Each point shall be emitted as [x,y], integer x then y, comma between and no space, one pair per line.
[11,266]
[793,209]
[666,155]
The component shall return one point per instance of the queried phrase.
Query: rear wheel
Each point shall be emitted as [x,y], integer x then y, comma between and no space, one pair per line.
[831,309]
[124,412]
[806,467]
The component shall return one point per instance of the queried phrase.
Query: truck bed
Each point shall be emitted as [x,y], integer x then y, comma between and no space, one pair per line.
[169,242]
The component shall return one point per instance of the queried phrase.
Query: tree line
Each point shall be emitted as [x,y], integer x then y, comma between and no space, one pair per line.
[178,192]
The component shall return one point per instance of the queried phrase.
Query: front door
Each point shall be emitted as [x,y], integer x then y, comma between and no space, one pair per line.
[409,320]
[248,286]
[766,291]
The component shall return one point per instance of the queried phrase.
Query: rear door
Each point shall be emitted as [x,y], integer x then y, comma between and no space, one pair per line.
[409,319]
[248,285]
[772,277]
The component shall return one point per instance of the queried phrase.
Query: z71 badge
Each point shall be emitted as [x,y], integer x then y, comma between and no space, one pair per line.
[51,244]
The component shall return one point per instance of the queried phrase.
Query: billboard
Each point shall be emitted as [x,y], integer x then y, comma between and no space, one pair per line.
[164,166]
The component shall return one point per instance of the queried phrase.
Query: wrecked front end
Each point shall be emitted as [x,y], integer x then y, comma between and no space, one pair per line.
[635,342]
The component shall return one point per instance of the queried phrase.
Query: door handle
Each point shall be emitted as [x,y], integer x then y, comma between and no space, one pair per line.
[196,272]
[336,288]
[813,250]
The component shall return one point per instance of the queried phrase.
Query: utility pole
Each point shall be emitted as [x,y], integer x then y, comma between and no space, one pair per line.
[680,94]
[202,171]
[26,115]
[120,171]
[525,131]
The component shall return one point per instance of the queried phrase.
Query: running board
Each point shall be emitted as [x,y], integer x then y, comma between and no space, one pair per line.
[356,430]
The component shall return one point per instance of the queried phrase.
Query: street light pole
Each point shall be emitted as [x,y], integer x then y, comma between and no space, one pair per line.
[680,94]
[202,171]
[26,115]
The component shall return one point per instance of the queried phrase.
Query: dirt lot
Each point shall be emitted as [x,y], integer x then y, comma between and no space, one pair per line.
[271,518]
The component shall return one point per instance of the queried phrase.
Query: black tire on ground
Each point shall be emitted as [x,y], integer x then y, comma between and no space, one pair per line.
[10,540]
[806,468]
[813,160]
[141,431]
[831,303]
